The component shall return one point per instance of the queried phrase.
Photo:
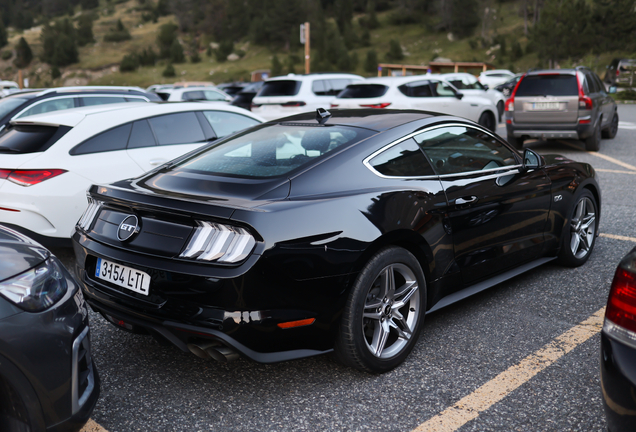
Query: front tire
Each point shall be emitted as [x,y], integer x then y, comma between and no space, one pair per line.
[593,142]
[579,236]
[384,312]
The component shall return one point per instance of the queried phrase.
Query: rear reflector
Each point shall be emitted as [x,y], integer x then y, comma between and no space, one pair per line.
[29,177]
[378,105]
[585,121]
[300,323]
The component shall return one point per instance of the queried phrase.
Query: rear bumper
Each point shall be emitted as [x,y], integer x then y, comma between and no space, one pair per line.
[550,131]
[618,384]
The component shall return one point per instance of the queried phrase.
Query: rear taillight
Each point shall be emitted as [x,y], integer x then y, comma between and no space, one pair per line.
[333,105]
[219,243]
[585,102]
[510,105]
[29,177]
[618,72]
[378,105]
[91,211]
[621,304]
[293,104]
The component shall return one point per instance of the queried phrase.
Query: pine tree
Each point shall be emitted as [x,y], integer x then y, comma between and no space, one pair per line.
[371,61]
[169,72]
[395,51]
[129,63]
[464,17]
[167,34]
[85,30]
[59,43]
[23,54]
[372,19]
[3,34]
[176,52]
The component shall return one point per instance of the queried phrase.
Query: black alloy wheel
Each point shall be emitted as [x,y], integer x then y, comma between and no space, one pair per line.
[487,120]
[579,236]
[612,130]
[384,312]
[593,142]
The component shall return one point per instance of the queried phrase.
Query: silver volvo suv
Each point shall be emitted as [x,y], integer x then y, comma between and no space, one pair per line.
[561,104]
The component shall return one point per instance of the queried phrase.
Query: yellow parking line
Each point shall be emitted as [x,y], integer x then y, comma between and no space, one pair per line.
[618,237]
[92,426]
[602,156]
[614,171]
[503,384]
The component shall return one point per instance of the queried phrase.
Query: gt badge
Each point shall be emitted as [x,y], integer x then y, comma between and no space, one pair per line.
[127,228]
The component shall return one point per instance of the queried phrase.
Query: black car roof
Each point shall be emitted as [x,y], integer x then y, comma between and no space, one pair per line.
[374,119]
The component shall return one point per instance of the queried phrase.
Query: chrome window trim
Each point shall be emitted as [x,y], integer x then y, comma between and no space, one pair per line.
[367,160]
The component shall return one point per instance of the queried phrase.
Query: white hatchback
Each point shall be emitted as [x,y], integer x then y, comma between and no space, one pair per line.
[424,92]
[294,94]
[48,161]
[210,94]
[469,85]
[492,78]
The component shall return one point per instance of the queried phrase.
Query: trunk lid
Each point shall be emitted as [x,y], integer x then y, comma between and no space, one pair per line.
[547,98]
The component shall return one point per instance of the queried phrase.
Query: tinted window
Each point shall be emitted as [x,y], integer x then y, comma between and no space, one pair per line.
[337,85]
[9,104]
[101,100]
[49,106]
[548,85]
[114,139]
[225,123]
[402,160]
[458,149]
[213,96]
[141,135]
[363,91]
[272,151]
[280,88]
[30,139]
[417,89]
[599,83]
[180,128]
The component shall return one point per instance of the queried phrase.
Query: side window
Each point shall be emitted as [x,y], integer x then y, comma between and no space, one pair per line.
[225,123]
[211,95]
[100,100]
[402,160]
[458,149]
[338,85]
[320,87]
[591,84]
[599,83]
[180,128]
[416,89]
[49,106]
[111,140]
[192,96]
[141,135]
[442,89]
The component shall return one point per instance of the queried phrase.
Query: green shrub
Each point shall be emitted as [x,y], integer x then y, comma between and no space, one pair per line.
[129,63]
[169,72]
[6,55]
[195,57]
[55,72]
[118,34]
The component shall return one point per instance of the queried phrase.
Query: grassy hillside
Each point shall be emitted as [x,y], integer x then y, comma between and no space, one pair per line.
[420,43]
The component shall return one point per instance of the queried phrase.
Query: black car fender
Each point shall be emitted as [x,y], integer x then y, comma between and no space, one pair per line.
[19,384]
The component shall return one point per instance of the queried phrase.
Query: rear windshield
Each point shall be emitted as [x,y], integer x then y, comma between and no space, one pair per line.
[271,151]
[9,104]
[363,91]
[280,88]
[548,85]
[30,139]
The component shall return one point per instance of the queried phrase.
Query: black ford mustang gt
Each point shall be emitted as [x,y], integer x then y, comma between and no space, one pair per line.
[324,232]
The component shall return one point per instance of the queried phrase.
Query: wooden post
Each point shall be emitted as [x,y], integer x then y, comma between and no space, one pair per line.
[307,52]
[20,80]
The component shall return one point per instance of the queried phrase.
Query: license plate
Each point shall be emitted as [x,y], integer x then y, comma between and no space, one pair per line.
[546,106]
[123,276]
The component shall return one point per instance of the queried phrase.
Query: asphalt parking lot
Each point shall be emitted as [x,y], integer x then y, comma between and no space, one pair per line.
[478,366]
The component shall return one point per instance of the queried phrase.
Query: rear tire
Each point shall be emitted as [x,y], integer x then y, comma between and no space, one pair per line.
[579,236]
[500,109]
[611,131]
[383,316]
[515,142]
[593,142]
[487,120]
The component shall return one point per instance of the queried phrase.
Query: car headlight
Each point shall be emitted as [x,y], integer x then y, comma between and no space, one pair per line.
[36,289]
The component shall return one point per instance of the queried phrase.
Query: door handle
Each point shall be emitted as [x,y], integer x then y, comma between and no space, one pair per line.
[155,162]
[466,200]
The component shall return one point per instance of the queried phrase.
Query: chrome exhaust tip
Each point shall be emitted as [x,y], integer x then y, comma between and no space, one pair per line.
[222,354]
[199,349]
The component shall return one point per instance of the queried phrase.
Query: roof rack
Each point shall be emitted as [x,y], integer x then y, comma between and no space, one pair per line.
[92,88]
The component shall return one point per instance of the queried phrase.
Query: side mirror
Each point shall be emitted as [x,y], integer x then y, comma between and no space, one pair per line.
[531,160]
[459,95]
[486,86]
[612,90]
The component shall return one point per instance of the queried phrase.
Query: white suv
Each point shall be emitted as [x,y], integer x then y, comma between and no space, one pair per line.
[424,92]
[468,84]
[495,77]
[293,94]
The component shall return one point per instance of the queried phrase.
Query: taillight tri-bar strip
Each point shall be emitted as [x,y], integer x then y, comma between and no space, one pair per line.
[220,243]
[89,214]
